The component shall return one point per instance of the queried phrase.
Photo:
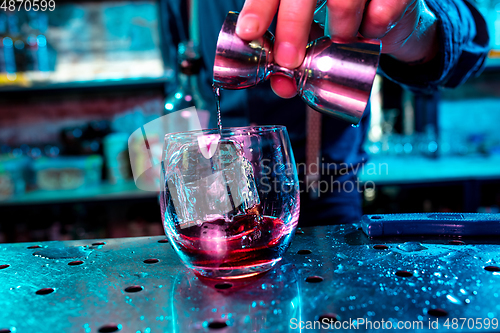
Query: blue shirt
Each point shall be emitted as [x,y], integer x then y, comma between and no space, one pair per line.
[463,37]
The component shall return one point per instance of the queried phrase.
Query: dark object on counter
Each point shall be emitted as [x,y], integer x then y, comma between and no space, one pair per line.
[437,224]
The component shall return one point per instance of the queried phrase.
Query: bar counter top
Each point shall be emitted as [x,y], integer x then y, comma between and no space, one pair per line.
[331,275]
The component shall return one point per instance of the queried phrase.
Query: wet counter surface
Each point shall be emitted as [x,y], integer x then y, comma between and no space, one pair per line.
[331,278]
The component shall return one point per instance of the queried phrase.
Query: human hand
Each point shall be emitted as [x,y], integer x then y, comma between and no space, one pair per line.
[407,29]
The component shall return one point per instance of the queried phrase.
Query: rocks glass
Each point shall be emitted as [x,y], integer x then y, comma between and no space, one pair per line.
[230,201]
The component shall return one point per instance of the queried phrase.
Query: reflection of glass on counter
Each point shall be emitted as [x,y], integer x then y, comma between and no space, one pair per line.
[200,304]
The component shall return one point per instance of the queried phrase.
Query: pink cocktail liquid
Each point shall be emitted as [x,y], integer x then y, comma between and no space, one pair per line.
[246,246]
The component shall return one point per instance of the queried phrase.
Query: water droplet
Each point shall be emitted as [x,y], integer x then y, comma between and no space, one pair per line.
[453,299]
[411,247]
[64,252]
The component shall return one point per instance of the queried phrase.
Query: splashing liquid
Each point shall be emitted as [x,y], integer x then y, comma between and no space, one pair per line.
[217,102]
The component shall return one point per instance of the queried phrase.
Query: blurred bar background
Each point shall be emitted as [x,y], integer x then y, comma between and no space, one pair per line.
[74,84]
[77,81]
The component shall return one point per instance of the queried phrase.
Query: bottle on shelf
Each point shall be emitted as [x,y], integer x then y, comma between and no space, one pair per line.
[3,34]
[18,44]
[8,48]
[185,109]
[45,54]
[31,41]
[187,94]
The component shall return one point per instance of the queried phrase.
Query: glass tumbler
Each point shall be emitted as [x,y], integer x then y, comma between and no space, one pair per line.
[230,201]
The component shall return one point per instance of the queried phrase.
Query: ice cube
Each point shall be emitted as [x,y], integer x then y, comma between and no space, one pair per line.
[207,189]
[213,239]
[238,176]
[208,144]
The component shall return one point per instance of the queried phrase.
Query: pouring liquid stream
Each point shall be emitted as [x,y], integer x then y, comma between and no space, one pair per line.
[216,90]
[217,103]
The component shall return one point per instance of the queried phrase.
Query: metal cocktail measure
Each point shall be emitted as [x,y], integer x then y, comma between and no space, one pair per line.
[334,78]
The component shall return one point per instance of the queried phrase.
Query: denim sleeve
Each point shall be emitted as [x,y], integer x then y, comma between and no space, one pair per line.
[464,40]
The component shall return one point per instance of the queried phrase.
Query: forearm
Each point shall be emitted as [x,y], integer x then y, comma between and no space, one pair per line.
[462,45]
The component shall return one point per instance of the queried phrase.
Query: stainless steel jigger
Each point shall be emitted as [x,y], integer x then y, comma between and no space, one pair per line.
[334,78]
